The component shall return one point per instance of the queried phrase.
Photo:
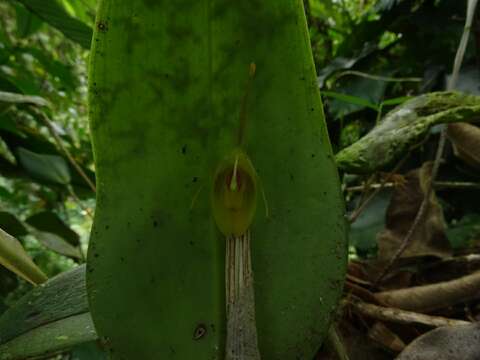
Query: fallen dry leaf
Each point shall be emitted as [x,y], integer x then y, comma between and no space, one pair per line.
[429,237]
[465,139]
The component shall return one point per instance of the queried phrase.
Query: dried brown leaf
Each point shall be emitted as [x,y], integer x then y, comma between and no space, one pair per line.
[465,139]
[429,237]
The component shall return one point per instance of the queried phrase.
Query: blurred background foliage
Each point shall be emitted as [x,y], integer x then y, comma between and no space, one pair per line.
[44,202]
[371,55]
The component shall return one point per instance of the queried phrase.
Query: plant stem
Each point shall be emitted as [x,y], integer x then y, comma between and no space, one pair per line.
[241,341]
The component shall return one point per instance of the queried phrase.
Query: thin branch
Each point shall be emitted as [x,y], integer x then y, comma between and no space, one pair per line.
[434,296]
[401,316]
[462,47]
[378,77]
[422,211]
[67,153]
[79,202]
[437,185]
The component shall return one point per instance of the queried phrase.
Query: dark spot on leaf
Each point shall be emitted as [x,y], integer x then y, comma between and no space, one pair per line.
[102,26]
[184,149]
[195,179]
[191,242]
[199,332]
[313,155]
[96,255]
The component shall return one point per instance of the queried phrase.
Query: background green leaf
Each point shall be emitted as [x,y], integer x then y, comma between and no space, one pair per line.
[14,258]
[54,14]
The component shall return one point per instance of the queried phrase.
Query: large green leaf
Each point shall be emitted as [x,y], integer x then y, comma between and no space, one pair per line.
[49,168]
[27,22]
[50,338]
[166,83]
[61,297]
[14,258]
[55,243]
[48,221]
[54,14]
[50,318]
[12,225]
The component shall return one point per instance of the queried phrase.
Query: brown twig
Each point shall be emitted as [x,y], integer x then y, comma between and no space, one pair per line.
[79,202]
[401,316]
[362,293]
[67,153]
[437,185]
[433,296]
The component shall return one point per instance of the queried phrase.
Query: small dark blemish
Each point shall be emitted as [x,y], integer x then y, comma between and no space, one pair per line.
[102,26]
[199,332]
[96,255]
[107,227]
[292,177]
[313,155]
[122,259]
[155,223]
[312,109]
[191,242]
[184,149]
[195,179]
